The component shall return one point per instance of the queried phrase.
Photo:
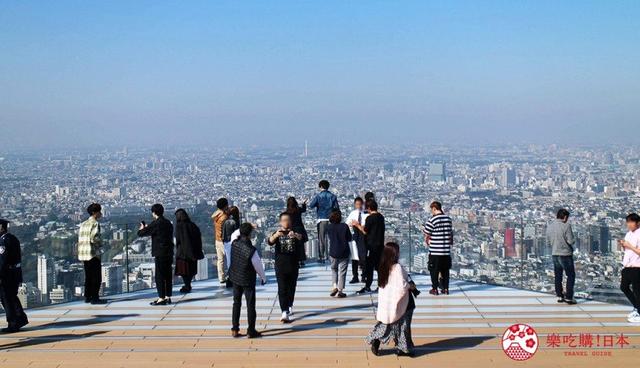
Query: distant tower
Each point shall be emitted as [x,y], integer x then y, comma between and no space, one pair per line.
[306,148]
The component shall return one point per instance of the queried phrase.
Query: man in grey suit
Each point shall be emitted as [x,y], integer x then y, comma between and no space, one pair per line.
[560,236]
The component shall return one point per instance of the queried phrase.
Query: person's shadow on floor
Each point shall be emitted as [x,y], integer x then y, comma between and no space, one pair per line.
[456,343]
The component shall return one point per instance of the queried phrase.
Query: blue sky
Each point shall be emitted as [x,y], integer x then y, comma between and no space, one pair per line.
[266,72]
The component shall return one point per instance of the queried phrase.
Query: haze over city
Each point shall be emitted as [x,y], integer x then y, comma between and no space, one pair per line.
[224,73]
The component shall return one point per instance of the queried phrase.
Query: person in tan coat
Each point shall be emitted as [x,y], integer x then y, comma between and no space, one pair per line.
[218,218]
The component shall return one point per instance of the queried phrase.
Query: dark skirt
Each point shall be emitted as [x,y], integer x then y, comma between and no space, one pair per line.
[186,268]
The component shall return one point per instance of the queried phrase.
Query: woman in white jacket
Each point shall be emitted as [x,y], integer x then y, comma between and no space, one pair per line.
[395,304]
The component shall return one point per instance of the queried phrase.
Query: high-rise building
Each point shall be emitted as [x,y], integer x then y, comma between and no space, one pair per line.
[600,238]
[510,243]
[29,295]
[59,294]
[46,276]
[507,177]
[112,276]
[437,172]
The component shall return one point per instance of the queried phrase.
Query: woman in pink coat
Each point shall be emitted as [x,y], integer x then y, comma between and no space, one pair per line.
[395,304]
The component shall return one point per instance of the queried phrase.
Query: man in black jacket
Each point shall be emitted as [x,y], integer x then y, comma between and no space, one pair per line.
[161,233]
[10,279]
[245,265]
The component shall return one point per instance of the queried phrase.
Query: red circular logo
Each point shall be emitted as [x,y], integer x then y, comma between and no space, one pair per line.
[520,342]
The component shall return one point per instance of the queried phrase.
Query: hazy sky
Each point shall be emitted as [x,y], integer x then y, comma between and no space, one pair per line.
[74,73]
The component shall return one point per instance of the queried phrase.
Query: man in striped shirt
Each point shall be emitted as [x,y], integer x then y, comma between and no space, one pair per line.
[438,232]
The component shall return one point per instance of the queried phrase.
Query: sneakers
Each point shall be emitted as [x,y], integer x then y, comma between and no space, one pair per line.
[354,281]
[571,301]
[285,318]
[561,299]
[98,301]
[433,292]
[364,290]
[634,317]
[333,292]
[341,295]
[290,311]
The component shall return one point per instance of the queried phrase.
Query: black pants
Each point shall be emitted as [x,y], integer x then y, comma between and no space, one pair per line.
[373,261]
[362,256]
[287,282]
[354,269]
[92,278]
[187,281]
[249,293]
[564,264]
[164,276]
[439,266]
[9,297]
[630,285]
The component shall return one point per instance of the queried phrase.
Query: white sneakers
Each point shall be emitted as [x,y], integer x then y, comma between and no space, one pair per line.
[290,311]
[634,317]
[285,317]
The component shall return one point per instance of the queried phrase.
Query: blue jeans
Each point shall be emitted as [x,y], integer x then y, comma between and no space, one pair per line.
[560,264]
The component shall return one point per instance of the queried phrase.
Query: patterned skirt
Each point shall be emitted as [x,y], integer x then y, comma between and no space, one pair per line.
[399,332]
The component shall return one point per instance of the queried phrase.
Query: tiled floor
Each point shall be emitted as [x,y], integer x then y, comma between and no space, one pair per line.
[463,329]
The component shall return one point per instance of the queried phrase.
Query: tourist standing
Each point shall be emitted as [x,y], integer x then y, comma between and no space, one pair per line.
[630,281]
[373,231]
[188,248]
[395,305]
[161,232]
[10,279]
[245,265]
[438,232]
[89,252]
[286,242]
[324,202]
[218,218]
[295,211]
[339,239]
[230,225]
[560,237]
[358,216]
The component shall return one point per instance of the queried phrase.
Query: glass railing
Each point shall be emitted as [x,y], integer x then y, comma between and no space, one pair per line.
[495,248]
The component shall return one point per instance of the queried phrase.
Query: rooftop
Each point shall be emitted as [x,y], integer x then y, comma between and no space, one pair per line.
[460,330]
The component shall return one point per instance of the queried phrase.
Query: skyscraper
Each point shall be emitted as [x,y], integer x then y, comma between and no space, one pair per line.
[46,276]
[437,172]
[507,177]
[510,243]
[112,276]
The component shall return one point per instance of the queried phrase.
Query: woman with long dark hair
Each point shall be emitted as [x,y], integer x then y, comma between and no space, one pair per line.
[189,248]
[395,304]
[295,211]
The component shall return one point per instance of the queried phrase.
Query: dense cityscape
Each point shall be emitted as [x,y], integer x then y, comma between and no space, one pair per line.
[500,198]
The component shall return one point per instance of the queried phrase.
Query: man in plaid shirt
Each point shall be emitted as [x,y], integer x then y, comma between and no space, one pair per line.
[89,251]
